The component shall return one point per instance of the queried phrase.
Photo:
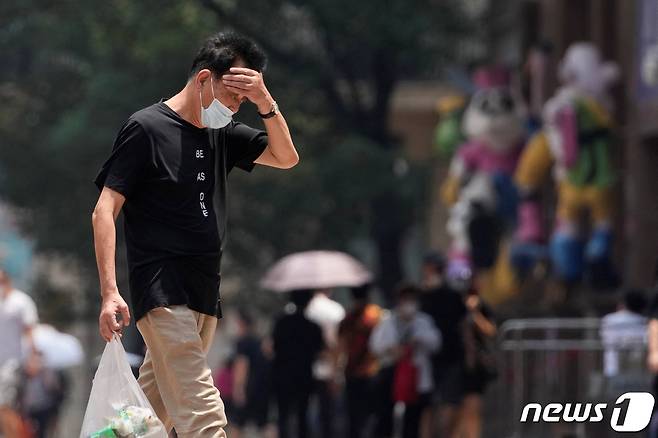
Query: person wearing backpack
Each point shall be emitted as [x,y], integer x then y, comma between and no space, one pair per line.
[360,364]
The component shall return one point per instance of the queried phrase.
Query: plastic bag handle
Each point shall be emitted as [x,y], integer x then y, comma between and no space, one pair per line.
[119,354]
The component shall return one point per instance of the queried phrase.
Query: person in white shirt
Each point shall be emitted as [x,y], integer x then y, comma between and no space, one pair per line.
[624,332]
[18,316]
[328,314]
[402,328]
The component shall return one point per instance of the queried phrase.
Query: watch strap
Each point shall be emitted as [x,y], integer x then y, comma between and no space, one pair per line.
[272,113]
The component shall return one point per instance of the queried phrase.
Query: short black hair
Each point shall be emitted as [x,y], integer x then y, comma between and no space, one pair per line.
[635,300]
[301,298]
[360,292]
[436,260]
[407,291]
[220,51]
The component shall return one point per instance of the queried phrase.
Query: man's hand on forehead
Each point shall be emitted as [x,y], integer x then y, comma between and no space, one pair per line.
[242,71]
[248,83]
[241,78]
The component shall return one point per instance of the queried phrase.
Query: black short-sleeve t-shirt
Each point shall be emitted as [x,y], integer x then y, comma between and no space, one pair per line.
[171,174]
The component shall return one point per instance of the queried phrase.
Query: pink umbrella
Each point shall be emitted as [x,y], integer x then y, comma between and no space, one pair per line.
[315,270]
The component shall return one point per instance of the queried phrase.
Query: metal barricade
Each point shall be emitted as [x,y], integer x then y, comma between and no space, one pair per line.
[558,360]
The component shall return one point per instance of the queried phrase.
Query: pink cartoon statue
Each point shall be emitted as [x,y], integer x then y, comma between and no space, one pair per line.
[479,187]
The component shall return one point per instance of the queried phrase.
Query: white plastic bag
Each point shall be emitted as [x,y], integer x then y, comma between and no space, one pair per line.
[117,405]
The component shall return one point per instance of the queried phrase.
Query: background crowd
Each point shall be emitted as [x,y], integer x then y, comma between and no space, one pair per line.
[419,368]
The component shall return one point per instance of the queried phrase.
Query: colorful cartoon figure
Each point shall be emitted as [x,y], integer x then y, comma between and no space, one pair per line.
[575,142]
[479,186]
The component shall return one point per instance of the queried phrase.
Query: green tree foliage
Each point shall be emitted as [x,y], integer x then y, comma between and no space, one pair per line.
[338,62]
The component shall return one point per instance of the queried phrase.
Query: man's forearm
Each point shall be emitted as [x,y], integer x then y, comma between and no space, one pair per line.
[105,246]
[28,335]
[279,139]
[483,324]
[652,338]
[241,371]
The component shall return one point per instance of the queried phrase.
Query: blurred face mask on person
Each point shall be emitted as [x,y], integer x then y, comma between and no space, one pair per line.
[408,308]
[217,115]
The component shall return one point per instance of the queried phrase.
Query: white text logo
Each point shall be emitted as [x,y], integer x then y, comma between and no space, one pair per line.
[631,412]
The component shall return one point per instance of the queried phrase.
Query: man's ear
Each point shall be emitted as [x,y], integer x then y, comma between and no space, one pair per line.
[201,77]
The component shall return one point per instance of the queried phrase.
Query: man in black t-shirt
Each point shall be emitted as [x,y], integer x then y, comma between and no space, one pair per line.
[168,173]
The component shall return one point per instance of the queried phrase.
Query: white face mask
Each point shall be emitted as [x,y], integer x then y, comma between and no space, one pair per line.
[216,115]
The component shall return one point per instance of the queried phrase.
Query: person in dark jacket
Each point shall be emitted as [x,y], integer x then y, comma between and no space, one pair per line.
[446,307]
[250,378]
[297,343]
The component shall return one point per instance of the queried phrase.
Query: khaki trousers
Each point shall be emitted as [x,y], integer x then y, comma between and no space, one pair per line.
[175,375]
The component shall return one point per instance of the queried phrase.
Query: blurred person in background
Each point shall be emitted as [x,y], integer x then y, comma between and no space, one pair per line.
[624,330]
[404,341]
[327,313]
[360,364]
[297,343]
[43,395]
[18,317]
[652,351]
[223,379]
[168,164]
[480,362]
[446,307]
[251,372]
